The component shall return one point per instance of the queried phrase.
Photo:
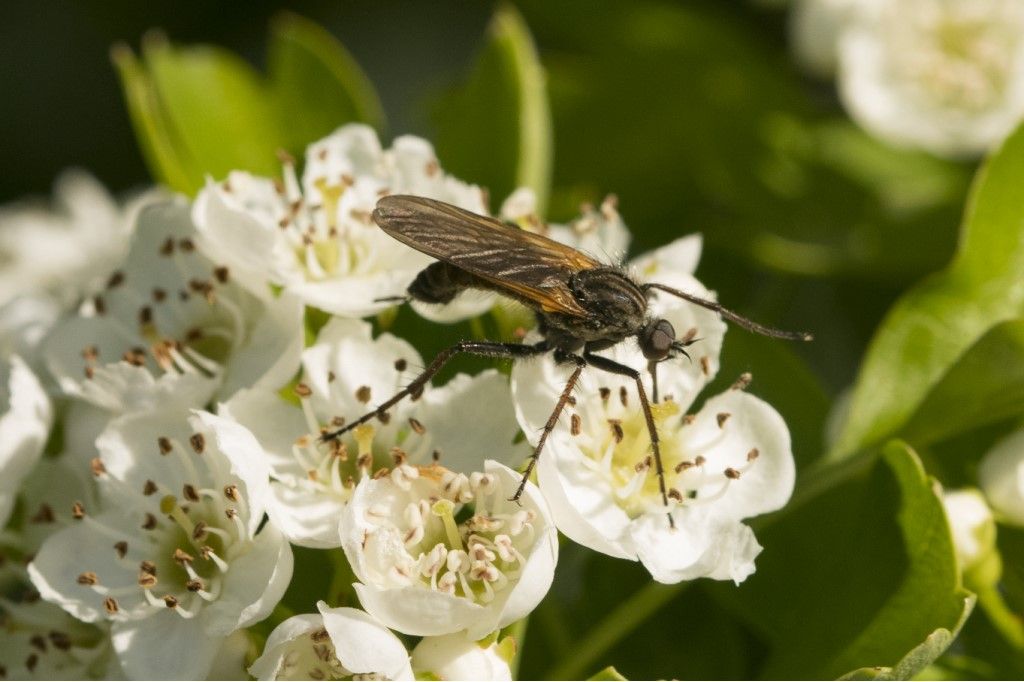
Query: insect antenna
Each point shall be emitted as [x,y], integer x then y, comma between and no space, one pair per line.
[747,324]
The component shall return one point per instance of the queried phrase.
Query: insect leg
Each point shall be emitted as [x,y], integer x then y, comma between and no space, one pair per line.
[652,367]
[489,349]
[550,425]
[609,365]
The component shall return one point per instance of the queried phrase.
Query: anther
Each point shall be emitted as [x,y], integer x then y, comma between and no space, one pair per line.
[683,466]
[78,510]
[164,443]
[90,354]
[187,244]
[167,248]
[44,515]
[742,382]
[731,473]
[145,316]
[753,454]
[171,601]
[674,494]
[148,567]
[417,426]
[149,487]
[116,279]
[605,393]
[221,274]
[623,396]
[699,460]
[231,492]
[96,466]
[110,604]
[575,424]
[363,394]
[100,305]
[60,640]
[303,391]
[150,522]
[39,642]
[689,336]
[31,662]
[198,442]
[617,432]
[194,585]
[121,547]
[199,532]
[182,557]
[88,578]
[401,364]
[722,417]
[147,580]
[705,365]
[189,492]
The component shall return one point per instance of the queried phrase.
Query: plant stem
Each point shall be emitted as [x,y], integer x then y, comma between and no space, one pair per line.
[617,625]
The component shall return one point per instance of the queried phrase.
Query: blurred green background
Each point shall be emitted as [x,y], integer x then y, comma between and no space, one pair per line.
[695,115]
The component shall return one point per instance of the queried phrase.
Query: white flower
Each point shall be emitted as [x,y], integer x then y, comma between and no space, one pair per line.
[1001,477]
[171,557]
[24,322]
[40,641]
[972,525]
[67,250]
[173,322]
[25,417]
[729,461]
[334,644]
[347,373]
[318,240]
[940,75]
[422,572]
[454,657]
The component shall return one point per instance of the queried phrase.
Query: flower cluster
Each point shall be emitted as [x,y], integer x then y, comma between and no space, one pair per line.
[946,76]
[165,438]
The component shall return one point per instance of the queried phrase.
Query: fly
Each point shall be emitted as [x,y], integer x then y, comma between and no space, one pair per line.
[582,306]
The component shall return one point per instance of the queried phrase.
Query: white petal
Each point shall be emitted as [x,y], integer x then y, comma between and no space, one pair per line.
[270,354]
[307,519]
[699,546]
[165,646]
[363,645]
[468,420]
[419,611]
[679,257]
[752,423]
[972,525]
[275,423]
[581,504]
[1001,476]
[468,304]
[268,665]
[254,584]
[456,657]
[24,427]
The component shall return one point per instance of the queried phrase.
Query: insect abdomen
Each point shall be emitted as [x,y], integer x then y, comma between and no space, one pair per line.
[440,282]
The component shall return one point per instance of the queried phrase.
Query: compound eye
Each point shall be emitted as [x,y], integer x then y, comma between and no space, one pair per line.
[657,339]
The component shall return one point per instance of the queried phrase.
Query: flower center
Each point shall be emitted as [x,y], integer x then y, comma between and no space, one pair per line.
[312,657]
[616,445]
[458,536]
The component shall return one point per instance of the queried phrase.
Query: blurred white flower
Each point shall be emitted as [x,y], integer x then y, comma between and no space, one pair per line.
[1001,477]
[972,525]
[24,322]
[66,250]
[729,461]
[25,418]
[946,76]
[171,556]
[454,657]
[317,239]
[334,644]
[40,641]
[171,322]
[346,373]
[423,572]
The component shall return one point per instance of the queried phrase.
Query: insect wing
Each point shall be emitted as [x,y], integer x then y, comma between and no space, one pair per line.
[523,263]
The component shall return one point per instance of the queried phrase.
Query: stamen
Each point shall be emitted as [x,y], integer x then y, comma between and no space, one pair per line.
[445,509]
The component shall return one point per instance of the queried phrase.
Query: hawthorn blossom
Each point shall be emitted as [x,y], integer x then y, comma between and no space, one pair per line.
[946,77]
[347,373]
[315,238]
[175,556]
[25,418]
[427,566]
[334,644]
[726,462]
[173,322]
[814,29]
[972,525]
[1001,477]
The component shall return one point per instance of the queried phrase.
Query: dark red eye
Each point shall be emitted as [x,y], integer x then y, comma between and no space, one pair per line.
[656,339]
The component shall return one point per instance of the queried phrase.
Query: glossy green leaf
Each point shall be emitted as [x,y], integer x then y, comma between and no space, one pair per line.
[496,129]
[856,577]
[316,84]
[986,385]
[217,107]
[933,325]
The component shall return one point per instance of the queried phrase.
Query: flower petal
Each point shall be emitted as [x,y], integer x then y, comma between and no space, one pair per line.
[165,646]
[363,645]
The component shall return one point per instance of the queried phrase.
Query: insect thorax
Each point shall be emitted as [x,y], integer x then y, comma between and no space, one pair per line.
[616,309]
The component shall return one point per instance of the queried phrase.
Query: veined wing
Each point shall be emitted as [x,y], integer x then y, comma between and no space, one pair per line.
[523,263]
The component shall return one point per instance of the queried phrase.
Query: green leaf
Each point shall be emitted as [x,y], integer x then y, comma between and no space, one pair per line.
[496,129]
[934,324]
[918,658]
[168,163]
[986,385]
[217,109]
[316,84]
[857,577]
[609,673]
